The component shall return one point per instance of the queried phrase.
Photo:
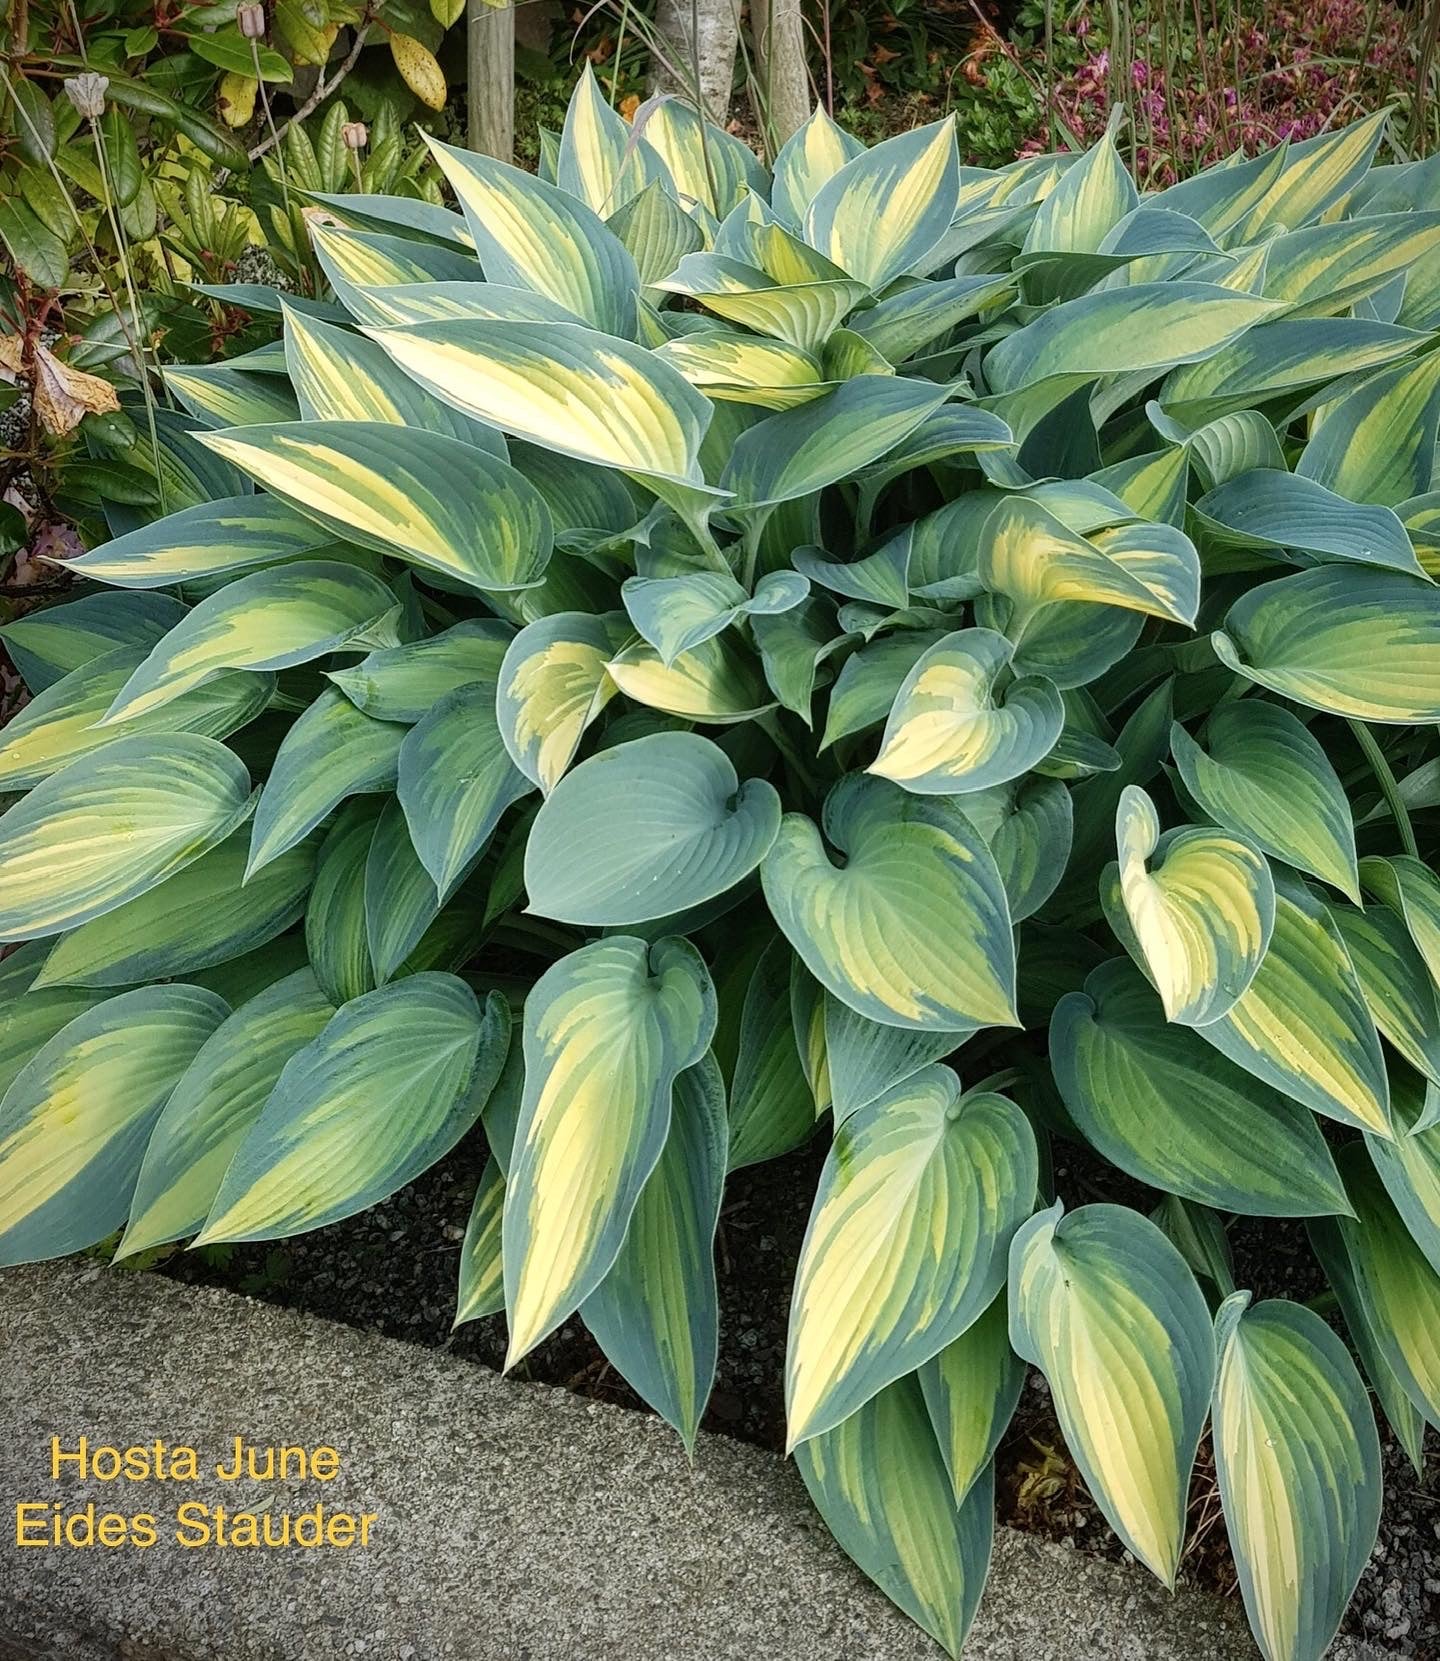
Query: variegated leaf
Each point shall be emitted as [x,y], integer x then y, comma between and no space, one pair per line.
[907,1242]
[607,1029]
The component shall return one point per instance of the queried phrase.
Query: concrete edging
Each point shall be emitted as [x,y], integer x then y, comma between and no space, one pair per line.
[515,1522]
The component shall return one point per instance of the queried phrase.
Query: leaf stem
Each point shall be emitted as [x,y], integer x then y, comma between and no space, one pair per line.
[1389,789]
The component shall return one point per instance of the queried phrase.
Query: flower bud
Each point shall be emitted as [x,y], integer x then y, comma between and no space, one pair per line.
[251,20]
[354,136]
[87,93]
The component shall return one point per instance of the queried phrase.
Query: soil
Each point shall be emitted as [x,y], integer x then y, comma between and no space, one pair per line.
[393,1270]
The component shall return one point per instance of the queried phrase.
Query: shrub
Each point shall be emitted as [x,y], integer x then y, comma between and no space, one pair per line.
[711,670]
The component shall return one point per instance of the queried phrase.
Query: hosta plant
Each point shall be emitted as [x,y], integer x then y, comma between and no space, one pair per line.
[670,662]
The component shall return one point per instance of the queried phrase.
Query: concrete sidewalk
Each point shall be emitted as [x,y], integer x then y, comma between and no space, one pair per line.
[511,1522]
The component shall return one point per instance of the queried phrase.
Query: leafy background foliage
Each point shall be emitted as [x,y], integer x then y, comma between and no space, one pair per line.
[941,659]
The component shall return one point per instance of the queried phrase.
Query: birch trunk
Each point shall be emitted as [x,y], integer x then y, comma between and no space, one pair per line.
[780,68]
[697,33]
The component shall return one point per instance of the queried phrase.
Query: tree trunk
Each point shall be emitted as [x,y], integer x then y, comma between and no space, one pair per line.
[490,71]
[697,34]
[780,68]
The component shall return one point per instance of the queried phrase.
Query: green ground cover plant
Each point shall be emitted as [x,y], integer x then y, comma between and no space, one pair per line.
[674,660]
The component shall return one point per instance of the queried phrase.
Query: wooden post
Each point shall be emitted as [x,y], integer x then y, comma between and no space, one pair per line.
[780,66]
[490,78]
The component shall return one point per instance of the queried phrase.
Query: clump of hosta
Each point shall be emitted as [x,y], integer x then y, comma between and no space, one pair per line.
[671,662]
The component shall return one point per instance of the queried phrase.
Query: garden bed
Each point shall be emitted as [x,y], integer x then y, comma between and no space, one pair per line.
[393,1270]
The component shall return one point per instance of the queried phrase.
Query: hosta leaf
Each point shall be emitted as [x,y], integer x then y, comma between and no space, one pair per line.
[1158,1102]
[47,644]
[1198,1234]
[771,1108]
[202,541]
[881,1485]
[676,614]
[747,369]
[394,1079]
[913,317]
[802,450]
[366,259]
[333,751]
[1303,1025]
[339,375]
[880,579]
[1397,986]
[1033,558]
[1376,441]
[809,159]
[335,931]
[163,800]
[1281,357]
[212,1108]
[456,778]
[1398,1289]
[656,1314]
[74,1122]
[1093,196]
[601,162]
[868,681]
[913,930]
[606,1031]
[1105,1306]
[657,231]
[1412,890]
[60,724]
[1350,641]
[1145,327]
[204,914]
[1199,923]
[971,1391]
[804,314]
[566,388]
[1410,1169]
[419,496]
[29,1019]
[401,900]
[268,620]
[553,683]
[403,683]
[220,395]
[708,167]
[884,211]
[1262,774]
[865,1058]
[1404,1417]
[1327,268]
[1298,1463]
[1317,174]
[646,830]
[482,1273]
[1268,508]
[529,234]
[718,680]
[907,1242]
[1028,828]
[962,722]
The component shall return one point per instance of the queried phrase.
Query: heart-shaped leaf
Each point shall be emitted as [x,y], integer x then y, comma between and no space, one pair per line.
[1200,922]
[914,929]
[961,722]
[1105,1306]
[647,829]
[1298,1463]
